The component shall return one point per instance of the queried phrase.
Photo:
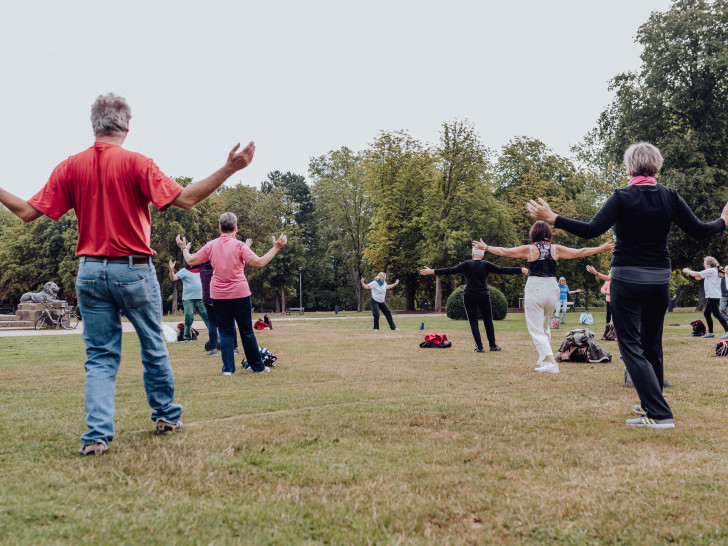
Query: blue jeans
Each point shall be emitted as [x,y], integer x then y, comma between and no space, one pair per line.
[214,342]
[228,312]
[104,290]
[561,307]
[191,307]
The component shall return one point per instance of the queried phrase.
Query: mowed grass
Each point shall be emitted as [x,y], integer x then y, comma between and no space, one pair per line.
[361,437]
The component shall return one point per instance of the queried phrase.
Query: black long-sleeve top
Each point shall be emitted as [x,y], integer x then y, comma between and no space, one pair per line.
[642,216]
[476,275]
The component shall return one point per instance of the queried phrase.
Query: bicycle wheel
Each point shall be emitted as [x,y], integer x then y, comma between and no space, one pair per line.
[42,323]
[69,321]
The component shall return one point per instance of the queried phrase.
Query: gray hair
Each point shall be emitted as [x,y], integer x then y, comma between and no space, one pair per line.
[228,222]
[643,159]
[110,115]
[478,253]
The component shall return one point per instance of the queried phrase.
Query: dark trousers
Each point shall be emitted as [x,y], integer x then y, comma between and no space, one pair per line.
[713,306]
[214,342]
[639,313]
[609,312]
[376,306]
[227,313]
[472,303]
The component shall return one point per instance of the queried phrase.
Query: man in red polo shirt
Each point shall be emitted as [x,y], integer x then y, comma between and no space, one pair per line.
[110,189]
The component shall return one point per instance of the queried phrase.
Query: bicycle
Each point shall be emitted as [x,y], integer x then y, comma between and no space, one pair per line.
[67,320]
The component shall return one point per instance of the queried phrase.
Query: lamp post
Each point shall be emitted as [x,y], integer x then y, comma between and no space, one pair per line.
[300,290]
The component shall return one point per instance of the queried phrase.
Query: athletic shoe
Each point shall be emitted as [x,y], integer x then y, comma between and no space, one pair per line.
[650,423]
[707,335]
[165,427]
[375,329]
[395,329]
[478,350]
[236,351]
[548,367]
[212,353]
[266,369]
[97,448]
[639,410]
[227,373]
[495,348]
[724,336]
[666,383]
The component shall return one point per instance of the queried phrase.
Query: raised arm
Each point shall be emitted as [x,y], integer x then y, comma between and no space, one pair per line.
[695,274]
[569,253]
[689,223]
[602,221]
[596,273]
[390,286]
[172,275]
[199,191]
[365,285]
[515,252]
[19,207]
[260,261]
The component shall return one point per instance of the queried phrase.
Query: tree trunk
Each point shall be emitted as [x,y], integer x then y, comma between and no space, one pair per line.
[356,279]
[174,297]
[278,304]
[586,298]
[410,283]
[701,298]
[283,298]
[678,296]
[438,294]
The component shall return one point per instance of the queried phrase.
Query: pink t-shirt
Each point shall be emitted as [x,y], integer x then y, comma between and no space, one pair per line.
[228,257]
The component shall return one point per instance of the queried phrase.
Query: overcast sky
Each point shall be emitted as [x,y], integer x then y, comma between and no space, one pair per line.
[302,78]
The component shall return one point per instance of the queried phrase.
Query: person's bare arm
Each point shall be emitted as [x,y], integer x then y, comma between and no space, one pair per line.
[568,253]
[185,248]
[365,285]
[199,191]
[695,274]
[268,256]
[515,252]
[427,271]
[172,275]
[596,273]
[390,286]
[19,207]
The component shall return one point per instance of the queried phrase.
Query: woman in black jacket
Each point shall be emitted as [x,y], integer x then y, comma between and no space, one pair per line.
[641,214]
[477,293]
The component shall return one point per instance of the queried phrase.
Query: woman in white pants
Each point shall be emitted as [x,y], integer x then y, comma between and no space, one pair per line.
[542,290]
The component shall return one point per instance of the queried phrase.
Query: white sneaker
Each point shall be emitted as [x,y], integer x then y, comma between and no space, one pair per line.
[227,373]
[266,369]
[548,367]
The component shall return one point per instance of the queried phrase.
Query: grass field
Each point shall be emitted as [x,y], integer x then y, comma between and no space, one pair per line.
[361,437]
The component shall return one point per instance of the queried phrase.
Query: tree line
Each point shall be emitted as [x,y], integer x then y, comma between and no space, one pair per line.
[402,204]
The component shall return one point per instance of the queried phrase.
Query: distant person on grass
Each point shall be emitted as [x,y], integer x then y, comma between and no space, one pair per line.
[231,296]
[110,189]
[379,289]
[563,305]
[642,214]
[711,284]
[477,293]
[542,291]
[191,296]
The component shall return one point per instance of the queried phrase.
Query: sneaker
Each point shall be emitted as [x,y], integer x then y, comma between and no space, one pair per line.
[495,348]
[650,423]
[375,329]
[165,427]
[548,367]
[478,350]
[707,335]
[97,448]
[236,351]
[212,353]
[395,329]
[724,336]
[227,373]
[266,369]
[666,383]
[639,410]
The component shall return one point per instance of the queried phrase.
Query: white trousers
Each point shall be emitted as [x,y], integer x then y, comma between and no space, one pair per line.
[542,296]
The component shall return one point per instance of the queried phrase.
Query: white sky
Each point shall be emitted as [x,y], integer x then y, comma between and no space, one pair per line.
[301,78]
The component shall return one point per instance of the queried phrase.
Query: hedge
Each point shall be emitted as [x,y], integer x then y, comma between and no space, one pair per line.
[456,309]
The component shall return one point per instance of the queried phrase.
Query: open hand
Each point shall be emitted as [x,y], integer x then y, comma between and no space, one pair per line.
[608,247]
[172,264]
[239,160]
[541,210]
[181,241]
[248,242]
[524,271]
[480,245]
[282,240]
[590,269]
[427,271]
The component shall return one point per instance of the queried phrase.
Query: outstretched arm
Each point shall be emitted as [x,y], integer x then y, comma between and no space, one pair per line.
[695,274]
[199,191]
[268,256]
[596,273]
[172,275]
[516,252]
[390,286]
[602,221]
[19,207]
[365,285]
[569,253]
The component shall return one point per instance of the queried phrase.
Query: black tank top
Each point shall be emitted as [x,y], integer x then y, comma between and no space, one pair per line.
[545,266]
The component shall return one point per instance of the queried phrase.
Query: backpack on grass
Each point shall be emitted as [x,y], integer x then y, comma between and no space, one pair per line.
[181,332]
[699,328]
[435,341]
[609,333]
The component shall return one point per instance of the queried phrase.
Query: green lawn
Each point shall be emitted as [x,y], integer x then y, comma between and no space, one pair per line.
[361,437]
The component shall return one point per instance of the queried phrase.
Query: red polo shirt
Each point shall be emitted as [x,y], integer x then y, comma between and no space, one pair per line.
[110,189]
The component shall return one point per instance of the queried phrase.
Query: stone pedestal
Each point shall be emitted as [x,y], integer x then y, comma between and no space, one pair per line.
[27,314]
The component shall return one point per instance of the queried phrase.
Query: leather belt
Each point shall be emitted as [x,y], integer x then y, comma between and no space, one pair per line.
[136,260]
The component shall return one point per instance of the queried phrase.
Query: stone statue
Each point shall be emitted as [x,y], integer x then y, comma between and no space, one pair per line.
[48,295]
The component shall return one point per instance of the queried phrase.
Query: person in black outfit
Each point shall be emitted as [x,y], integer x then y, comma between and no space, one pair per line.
[642,214]
[477,293]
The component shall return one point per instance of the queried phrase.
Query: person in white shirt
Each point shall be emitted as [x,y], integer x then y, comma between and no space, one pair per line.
[711,285]
[379,289]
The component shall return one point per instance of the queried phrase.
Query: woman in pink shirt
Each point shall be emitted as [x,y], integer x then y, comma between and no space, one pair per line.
[229,288]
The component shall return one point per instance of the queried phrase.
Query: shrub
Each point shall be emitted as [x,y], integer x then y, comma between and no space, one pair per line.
[456,309]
